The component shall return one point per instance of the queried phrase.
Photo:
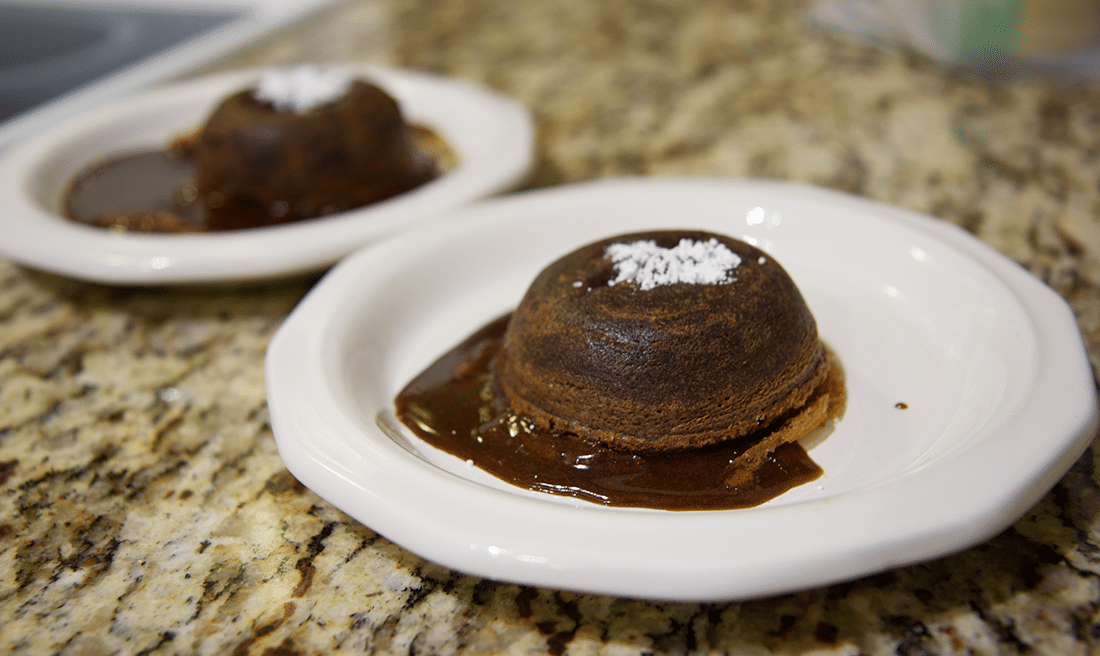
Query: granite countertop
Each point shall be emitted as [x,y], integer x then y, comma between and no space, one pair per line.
[144,508]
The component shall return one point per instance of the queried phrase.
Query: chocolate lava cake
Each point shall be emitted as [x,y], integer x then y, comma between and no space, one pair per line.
[300,163]
[663,341]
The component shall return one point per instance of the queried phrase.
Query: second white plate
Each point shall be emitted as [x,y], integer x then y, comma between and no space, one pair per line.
[491,134]
[987,361]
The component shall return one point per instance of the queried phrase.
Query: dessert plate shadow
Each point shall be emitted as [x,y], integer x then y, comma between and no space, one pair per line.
[970,393]
[492,136]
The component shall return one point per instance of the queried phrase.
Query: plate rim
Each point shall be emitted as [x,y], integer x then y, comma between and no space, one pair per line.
[95,255]
[678,581]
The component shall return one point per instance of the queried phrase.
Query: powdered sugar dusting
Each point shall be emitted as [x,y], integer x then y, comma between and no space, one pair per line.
[301,88]
[647,265]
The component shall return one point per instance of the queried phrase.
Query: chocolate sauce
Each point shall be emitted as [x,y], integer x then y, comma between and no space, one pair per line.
[149,191]
[456,406]
[154,191]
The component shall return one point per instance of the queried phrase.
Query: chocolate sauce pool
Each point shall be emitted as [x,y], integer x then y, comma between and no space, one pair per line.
[154,191]
[456,406]
[149,191]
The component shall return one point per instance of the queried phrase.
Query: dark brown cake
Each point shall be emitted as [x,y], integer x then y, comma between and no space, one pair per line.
[670,367]
[337,156]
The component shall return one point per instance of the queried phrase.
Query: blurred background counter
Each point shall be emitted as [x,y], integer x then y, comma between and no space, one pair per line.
[143,505]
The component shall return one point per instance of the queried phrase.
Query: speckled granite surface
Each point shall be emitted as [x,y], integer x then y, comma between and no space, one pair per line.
[143,506]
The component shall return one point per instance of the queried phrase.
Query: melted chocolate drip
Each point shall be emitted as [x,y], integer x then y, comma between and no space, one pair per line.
[456,405]
[154,191]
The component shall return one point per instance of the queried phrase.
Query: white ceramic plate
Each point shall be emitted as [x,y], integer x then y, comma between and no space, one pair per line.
[988,359]
[491,134]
